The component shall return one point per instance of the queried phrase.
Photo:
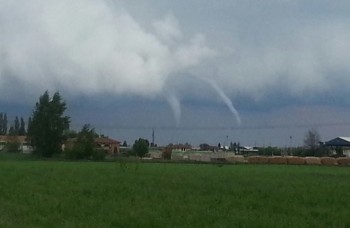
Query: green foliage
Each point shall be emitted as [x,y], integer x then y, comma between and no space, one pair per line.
[12,147]
[22,128]
[74,153]
[339,151]
[166,153]
[69,134]
[29,124]
[12,131]
[305,152]
[85,141]
[270,151]
[84,147]
[98,155]
[48,125]
[127,152]
[3,123]
[68,193]
[141,147]
[16,126]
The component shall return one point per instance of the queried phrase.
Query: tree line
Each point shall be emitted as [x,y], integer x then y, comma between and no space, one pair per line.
[48,128]
[18,127]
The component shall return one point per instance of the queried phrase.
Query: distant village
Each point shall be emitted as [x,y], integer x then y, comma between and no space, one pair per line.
[47,133]
[337,147]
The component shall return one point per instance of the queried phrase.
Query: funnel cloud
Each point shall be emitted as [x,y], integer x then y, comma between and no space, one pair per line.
[175,106]
[225,99]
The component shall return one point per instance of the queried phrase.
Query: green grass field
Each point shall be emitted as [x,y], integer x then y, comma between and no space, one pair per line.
[115,194]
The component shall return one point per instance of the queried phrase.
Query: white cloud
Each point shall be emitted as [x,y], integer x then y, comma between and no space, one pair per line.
[303,62]
[88,47]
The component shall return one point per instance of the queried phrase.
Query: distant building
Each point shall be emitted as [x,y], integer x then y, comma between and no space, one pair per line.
[339,143]
[248,150]
[181,147]
[110,145]
[24,144]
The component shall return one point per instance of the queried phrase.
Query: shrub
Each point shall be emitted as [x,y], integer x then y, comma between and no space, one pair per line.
[299,151]
[166,153]
[141,147]
[74,154]
[13,147]
[268,151]
[98,155]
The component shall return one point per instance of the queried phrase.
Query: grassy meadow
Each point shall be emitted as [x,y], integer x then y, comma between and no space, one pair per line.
[121,194]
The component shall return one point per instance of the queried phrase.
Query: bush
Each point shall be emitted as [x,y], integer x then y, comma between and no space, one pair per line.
[299,151]
[141,147]
[166,153]
[98,155]
[13,147]
[74,154]
[270,151]
[77,154]
[127,152]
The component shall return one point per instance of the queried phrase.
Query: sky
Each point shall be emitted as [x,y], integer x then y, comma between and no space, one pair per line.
[250,71]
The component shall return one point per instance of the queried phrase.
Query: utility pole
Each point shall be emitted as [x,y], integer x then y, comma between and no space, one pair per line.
[153,137]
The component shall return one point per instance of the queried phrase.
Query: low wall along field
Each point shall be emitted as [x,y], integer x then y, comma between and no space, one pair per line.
[329,161]
[312,160]
[278,160]
[295,160]
[343,161]
[258,160]
[292,160]
[208,157]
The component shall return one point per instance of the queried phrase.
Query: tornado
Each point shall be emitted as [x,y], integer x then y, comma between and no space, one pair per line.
[175,106]
[225,99]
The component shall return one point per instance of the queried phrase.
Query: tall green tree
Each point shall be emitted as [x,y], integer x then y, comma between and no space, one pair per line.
[22,128]
[141,147]
[3,123]
[85,141]
[84,146]
[29,124]
[16,126]
[12,131]
[48,125]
